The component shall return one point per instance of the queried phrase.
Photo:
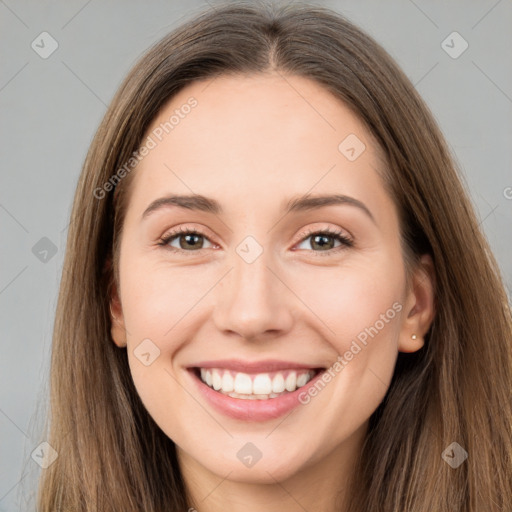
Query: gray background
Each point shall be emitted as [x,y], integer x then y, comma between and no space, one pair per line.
[50,109]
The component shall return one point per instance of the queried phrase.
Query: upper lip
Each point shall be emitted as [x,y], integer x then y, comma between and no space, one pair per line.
[267,365]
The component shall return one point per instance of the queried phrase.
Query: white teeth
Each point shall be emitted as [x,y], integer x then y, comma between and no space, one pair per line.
[216,380]
[302,379]
[291,382]
[228,383]
[278,383]
[262,384]
[243,384]
[253,387]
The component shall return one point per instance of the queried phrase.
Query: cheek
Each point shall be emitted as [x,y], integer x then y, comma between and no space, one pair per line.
[158,307]
[359,308]
[361,305]
[355,301]
[159,299]
[162,306]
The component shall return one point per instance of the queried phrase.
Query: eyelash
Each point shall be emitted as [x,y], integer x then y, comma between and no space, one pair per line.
[338,235]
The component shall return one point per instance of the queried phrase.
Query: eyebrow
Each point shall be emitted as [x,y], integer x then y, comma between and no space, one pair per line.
[295,204]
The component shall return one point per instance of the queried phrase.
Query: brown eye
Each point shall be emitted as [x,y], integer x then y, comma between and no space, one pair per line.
[188,240]
[324,241]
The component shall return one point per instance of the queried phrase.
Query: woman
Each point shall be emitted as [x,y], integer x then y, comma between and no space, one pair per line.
[276,295]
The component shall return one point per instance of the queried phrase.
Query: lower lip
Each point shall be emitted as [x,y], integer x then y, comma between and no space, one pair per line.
[253,410]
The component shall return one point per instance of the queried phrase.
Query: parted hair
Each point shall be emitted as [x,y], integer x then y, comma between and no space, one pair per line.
[457,388]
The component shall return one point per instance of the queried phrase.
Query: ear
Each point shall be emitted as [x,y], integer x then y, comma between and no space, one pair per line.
[117,329]
[420,306]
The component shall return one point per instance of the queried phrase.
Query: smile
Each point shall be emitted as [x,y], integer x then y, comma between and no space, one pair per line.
[253,390]
[255,386]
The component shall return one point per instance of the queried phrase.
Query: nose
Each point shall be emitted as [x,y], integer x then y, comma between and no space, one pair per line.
[252,301]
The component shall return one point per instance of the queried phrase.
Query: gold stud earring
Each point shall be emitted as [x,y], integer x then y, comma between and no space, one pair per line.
[414,336]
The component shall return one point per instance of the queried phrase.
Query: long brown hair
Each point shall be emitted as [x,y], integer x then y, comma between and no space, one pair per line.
[457,388]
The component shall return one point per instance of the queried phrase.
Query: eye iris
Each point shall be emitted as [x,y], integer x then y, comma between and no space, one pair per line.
[188,241]
[323,243]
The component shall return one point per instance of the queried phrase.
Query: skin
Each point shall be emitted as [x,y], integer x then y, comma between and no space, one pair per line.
[251,143]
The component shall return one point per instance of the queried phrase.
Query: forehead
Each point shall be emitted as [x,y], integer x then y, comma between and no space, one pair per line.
[253,140]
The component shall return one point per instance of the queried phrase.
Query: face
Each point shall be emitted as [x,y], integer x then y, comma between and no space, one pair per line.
[262,286]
